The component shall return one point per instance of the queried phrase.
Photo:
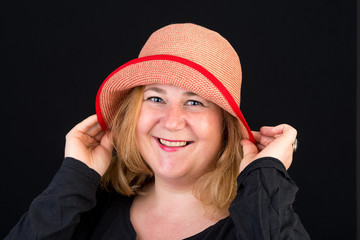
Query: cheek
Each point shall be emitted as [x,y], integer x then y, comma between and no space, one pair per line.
[146,123]
[210,128]
[144,120]
[140,133]
[141,128]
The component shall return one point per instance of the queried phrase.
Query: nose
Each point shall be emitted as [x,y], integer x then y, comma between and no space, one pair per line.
[174,118]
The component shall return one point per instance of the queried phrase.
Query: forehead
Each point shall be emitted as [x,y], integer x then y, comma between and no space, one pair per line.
[163,88]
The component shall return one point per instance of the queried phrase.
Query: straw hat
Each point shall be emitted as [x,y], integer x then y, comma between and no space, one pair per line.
[185,55]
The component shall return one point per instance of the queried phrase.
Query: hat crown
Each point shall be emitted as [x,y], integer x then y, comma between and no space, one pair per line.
[201,46]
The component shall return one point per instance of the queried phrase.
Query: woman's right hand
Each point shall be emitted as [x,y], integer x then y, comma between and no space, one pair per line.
[89,144]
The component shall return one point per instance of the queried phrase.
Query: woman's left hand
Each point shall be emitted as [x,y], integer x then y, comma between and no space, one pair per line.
[276,142]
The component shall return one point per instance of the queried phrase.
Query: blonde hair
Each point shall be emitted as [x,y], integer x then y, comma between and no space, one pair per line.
[128,171]
[217,189]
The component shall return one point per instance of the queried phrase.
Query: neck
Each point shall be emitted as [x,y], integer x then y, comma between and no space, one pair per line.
[176,199]
[170,194]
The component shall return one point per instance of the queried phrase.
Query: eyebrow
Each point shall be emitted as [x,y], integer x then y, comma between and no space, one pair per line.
[190,94]
[155,89]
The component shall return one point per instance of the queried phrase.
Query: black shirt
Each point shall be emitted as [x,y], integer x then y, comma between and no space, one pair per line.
[73,207]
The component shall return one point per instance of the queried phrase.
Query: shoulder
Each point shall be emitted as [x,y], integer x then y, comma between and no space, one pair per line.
[106,199]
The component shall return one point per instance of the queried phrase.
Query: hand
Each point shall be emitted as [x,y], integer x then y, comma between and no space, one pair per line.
[271,142]
[89,144]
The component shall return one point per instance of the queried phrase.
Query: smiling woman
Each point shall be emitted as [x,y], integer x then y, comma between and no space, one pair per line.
[173,153]
[162,126]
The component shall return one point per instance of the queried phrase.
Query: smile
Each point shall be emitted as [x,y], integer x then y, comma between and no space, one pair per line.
[173,143]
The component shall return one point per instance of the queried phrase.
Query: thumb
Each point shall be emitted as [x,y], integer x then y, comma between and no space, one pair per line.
[106,142]
[249,148]
[249,152]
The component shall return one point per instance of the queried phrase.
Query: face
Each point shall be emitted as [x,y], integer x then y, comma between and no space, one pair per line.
[179,134]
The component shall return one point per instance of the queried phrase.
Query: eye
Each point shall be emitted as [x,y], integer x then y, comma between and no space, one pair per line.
[155,99]
[194,103]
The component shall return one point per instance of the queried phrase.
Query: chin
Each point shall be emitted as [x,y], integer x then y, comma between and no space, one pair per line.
[172,173]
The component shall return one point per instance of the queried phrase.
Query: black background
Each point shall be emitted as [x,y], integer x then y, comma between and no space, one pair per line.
[299,67]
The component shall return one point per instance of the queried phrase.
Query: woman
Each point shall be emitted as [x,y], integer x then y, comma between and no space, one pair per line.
[169,142]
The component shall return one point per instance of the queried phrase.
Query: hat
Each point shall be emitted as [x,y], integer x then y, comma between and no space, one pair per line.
[185,55]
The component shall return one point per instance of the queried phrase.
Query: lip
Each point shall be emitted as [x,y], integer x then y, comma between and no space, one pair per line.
[171,149]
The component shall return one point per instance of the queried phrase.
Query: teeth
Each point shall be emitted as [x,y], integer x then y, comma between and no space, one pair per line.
[172,144]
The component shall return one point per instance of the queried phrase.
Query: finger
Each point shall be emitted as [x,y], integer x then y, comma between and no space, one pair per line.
[106,142]
[89,126]
[260,147]
[271,131]
[99,136]
[278,131]
[86,124]
[284,140]
[257,136]
[94,130]
[262,140]
[288,133]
